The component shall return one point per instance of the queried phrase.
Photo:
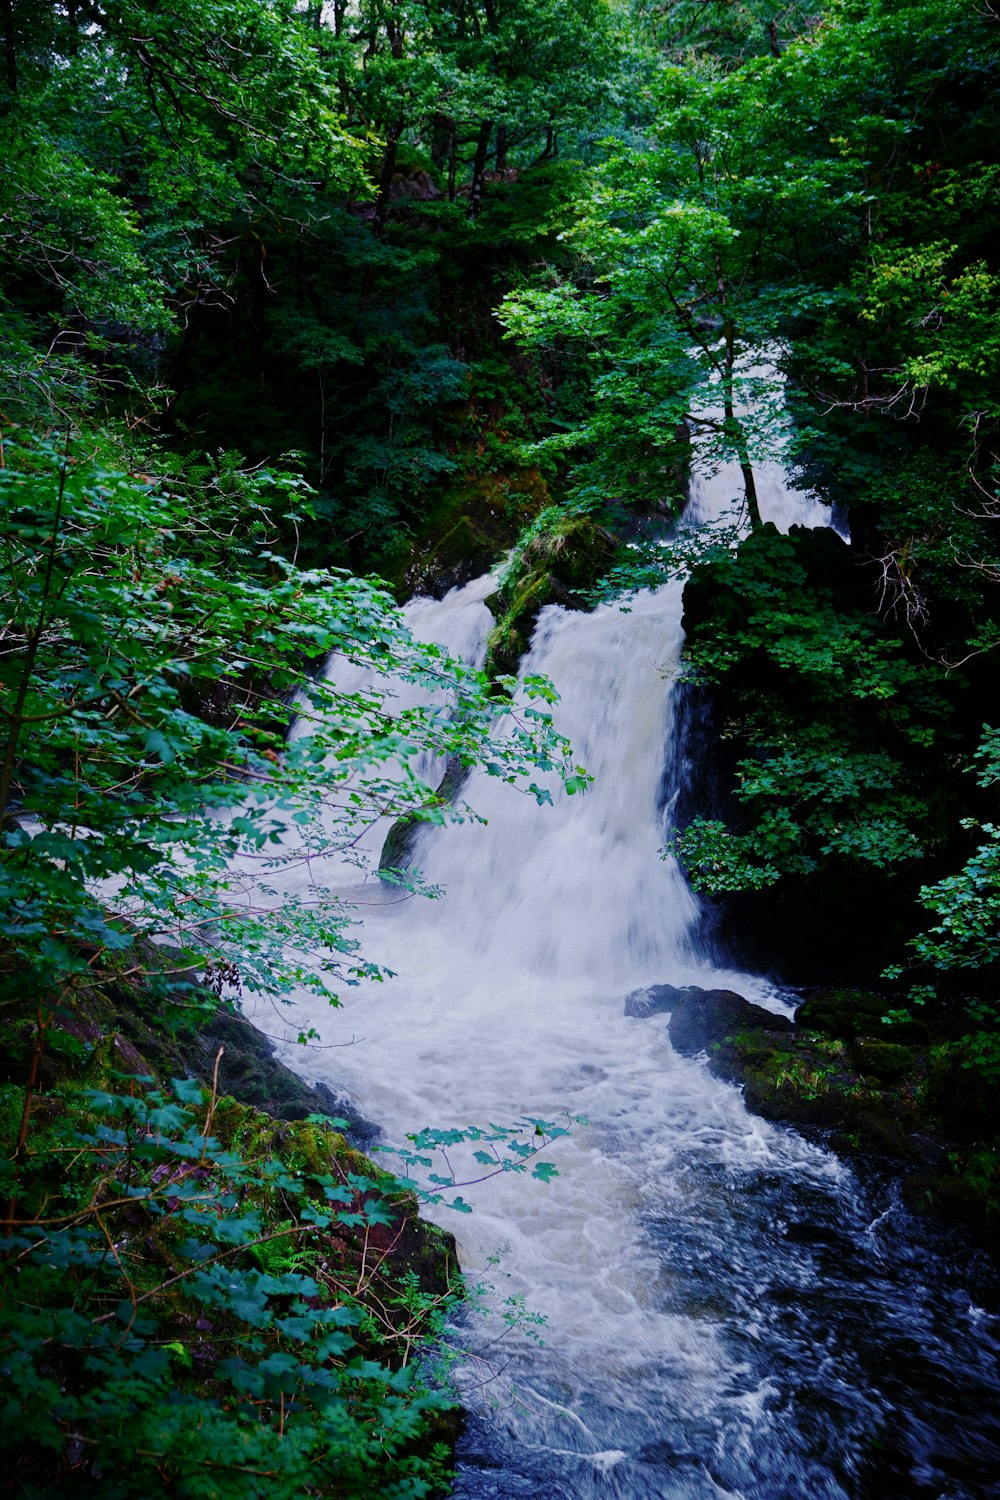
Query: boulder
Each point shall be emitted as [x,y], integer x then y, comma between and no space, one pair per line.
[658,999]
[880,1059]
[701,1021]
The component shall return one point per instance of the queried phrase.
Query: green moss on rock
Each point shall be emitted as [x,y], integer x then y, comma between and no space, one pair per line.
[561,558]
[886,1060]
[923,1106]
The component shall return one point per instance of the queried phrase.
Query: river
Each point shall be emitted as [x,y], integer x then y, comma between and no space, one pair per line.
[728,1309]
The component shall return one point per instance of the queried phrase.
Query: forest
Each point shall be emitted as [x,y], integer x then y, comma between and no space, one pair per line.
[307,310]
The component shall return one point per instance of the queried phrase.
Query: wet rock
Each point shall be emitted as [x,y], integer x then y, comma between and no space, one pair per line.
[557,566]
[470,527]
[658,999]
[960,1095]
[511,636]
[398,851]
[251,1074]
[951,1199]
[923,1106]
[706,1020]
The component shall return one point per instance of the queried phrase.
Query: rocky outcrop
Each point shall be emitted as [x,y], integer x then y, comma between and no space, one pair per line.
[556,566]
[469,529]
[116,1031]
[397,856]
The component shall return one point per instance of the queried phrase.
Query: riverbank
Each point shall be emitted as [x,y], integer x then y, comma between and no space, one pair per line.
[905,1093]
[204,1275]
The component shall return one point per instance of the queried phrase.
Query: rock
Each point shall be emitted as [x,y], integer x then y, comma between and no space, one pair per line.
[250,1073]
[842,1013]
[577,551]
[400,842]
[704,1020]
[511,636]
[949,1200]
[846,1014]
[658,999]
[414,183]
[924,1107]
[557,566]
[465,532]
[882,1059]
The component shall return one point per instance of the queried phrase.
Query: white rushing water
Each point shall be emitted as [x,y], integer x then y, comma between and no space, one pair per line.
[666,1254]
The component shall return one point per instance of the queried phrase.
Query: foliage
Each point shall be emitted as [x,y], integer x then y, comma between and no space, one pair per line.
[961,949]
[521,1144]
[156,650]
[154,658]
[836,727]
[99,1327]
[200,1301]
[302,211]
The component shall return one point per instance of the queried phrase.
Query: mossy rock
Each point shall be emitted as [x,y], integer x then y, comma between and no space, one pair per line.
[886,1060]
[848,1013]
[576,551]
[788,1104]
[556,567]
[966,1103]
[951,1199]
[708,1020]
[504,649]
[400,842]
[511,636]
[312,1149]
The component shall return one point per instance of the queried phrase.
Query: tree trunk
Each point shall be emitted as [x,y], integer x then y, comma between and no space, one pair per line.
[734,427]
[9,44]
[479,167]
[735,431]
[387,174]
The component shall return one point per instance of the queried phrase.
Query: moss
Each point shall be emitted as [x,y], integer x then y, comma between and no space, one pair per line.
[884,1059]
[847,1013]
[511,636]
[915,1105]
[504,649]
[561,558]
[398,847]
[576,550]
[465,533]
[264,1115]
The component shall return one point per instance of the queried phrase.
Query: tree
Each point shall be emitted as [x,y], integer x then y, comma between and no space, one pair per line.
[688,250]
[156,650]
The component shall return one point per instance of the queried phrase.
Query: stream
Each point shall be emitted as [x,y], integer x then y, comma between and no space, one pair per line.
[729,1310]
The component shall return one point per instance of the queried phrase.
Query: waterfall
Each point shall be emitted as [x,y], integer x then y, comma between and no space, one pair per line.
[723,1318]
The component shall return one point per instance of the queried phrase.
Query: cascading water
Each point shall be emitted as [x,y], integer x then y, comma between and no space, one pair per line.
[723,1316]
